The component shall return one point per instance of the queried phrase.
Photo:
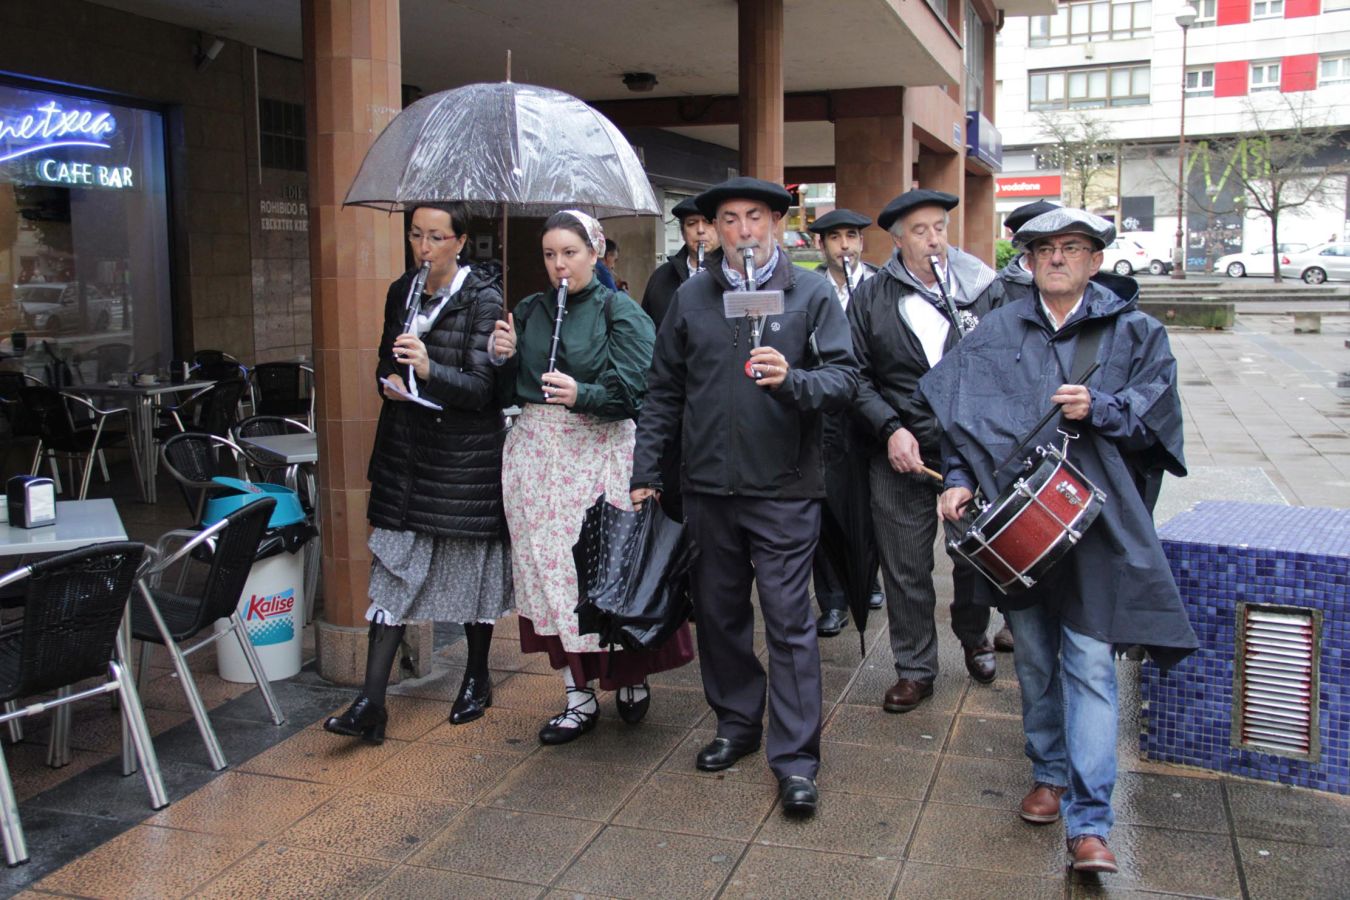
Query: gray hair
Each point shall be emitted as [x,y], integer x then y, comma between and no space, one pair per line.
[897,228]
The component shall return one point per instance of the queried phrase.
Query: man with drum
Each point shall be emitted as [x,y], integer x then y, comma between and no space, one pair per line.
[902,325]
[1120,425]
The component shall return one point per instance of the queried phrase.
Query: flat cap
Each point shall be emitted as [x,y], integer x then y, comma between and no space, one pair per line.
[685,208]
[912,200]
[743,188]
[1028,211]
[838,218]
[1065,221]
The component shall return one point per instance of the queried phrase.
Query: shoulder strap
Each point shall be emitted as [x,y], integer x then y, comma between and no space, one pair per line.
[1085,349]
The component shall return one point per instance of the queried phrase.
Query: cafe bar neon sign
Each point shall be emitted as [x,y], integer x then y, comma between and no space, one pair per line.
[54,127]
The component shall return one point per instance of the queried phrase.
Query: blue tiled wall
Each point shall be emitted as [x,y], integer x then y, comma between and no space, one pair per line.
[1225,553]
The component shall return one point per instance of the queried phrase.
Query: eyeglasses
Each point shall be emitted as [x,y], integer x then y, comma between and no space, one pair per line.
[1070,251]
[416,237]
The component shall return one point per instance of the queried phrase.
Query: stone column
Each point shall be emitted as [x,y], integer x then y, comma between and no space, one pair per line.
[352,86]
[977,221]
[941,170]
[872,164]
[760,43]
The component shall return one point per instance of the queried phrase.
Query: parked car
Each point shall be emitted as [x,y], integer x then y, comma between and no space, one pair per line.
[55,307]
[1321,263]
[797,240]
[1125,257]
[1253,262]
[1157,246]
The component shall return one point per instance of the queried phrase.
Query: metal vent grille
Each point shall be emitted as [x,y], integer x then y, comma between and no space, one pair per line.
[1277,680]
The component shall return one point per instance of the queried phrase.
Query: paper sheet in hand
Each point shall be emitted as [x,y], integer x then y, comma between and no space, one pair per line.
[755,304]
[407,396]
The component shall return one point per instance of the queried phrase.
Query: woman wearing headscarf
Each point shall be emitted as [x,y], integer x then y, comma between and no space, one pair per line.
[439,542]
[573,442]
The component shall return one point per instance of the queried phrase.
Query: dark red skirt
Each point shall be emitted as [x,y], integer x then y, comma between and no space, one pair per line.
[612,668]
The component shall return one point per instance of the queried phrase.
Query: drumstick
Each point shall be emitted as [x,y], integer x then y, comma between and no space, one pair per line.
[930,473]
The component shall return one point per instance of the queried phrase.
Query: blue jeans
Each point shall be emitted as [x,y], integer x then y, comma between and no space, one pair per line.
[1069,715]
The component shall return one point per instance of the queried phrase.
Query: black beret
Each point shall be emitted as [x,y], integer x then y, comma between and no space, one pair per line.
[1028,211]
[743,188]
[684,209]
[911,200]
[838,218]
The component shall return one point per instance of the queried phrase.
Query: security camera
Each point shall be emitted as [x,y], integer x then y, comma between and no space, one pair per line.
[204,57]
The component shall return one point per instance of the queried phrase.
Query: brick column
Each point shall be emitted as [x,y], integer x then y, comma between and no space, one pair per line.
[942,170]
[872,164]
[352,85]
[977,220]
[760,43]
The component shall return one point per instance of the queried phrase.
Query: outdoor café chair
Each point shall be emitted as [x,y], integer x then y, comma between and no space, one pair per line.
[60,437]
[19,425]
[194,458]
[270,426]
[74,604]
[283,389]
[170,618]
[216,365]
[214,410]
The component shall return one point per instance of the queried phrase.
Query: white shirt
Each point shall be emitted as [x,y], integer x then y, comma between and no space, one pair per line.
[1050,317]
[422,324]
[929,325]
[856,277]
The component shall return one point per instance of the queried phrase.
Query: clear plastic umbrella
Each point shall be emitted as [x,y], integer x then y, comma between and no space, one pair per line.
[504,148]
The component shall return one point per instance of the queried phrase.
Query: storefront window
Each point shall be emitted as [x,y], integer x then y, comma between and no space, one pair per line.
[84,240]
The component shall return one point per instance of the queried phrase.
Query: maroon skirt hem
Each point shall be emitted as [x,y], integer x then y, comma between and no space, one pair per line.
[613,669]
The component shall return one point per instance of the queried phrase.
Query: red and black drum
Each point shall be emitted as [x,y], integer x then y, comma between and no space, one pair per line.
[1018,537]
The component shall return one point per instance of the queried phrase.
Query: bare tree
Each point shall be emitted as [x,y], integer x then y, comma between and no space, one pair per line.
[1079,144]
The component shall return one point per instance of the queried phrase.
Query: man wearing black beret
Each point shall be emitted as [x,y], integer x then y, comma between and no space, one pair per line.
[700,245]
[903,321]
[748,414]
[1015,278]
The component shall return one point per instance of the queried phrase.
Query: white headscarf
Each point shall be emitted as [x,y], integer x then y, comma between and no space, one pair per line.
[594,233]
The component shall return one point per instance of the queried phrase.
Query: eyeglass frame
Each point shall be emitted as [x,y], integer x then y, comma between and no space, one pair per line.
[1069,251]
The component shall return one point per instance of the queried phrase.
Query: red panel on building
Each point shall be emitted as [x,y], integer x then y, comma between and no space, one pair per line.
[1236,12]
[1298,73]
[1295,9]
[1028,186]
[1230,79]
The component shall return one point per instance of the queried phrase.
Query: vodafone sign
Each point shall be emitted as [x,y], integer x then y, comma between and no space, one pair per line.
[1028,186]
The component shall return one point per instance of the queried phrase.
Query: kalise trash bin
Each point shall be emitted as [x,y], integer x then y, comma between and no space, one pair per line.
[272,601]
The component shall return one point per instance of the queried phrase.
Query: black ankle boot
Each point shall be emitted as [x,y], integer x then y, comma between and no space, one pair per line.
[364,719]
[475,691]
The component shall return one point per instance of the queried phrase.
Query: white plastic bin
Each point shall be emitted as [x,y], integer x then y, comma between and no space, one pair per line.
[272,607]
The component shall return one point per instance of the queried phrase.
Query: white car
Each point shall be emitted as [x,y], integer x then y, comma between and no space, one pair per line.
[55,307]
[1253,262]
[1322,263]
[1125,257]
[1157,246]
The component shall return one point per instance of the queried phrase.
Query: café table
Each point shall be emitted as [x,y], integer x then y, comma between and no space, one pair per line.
[293,451]
[141,400]
[79,523]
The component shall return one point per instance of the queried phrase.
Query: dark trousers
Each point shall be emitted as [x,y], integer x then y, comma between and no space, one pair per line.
[904,511]
[742,540]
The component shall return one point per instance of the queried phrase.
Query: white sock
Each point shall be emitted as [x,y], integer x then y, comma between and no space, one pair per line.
[633,693]
[581,699]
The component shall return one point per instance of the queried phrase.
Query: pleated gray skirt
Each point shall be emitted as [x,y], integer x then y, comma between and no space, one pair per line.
[424,578]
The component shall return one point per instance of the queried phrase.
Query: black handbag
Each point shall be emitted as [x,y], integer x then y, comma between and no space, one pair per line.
[632,575]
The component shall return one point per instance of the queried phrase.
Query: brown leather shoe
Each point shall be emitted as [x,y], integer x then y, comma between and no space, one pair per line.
[980,661]
[1003,639]
[1090,854]
[906,694]
[1041,806]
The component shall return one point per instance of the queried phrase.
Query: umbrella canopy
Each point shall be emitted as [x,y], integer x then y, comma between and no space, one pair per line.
[530,149]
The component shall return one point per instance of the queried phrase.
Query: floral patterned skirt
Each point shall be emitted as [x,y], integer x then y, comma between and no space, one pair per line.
[554,466]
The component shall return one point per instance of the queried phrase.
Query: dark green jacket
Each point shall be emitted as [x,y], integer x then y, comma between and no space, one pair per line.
[606,346]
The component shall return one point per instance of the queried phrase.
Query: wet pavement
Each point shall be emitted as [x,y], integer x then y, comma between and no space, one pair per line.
[915,805]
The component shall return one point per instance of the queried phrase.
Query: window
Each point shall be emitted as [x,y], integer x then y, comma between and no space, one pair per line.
[1334,70]
[1085,21]
[281,134]
[1267,9]
[975,38]
[1265,77]
[1126,85]
[1206,13]
[1200,82]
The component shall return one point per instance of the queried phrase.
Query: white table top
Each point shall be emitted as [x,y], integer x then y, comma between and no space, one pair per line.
[289,448]
[78,524]
[149,390]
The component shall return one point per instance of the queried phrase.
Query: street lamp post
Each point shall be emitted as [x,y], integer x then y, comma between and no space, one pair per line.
[1185,18]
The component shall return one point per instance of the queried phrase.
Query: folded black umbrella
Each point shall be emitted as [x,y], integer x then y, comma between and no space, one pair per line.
[632,575]
[846,536]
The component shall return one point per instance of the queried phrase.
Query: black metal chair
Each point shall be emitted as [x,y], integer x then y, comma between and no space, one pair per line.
[216,365]
[193,459]
[59,436]
[19,427]
[169,618]
[270,426]
[212,410]
[73,610]
[283,389]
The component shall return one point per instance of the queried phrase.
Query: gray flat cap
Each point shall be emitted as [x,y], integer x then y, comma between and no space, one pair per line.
[1065,221]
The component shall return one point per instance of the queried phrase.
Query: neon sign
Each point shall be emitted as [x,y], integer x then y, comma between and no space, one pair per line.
[53,127]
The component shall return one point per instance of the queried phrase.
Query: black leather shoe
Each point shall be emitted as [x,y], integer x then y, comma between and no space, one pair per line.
[798,795]
[877,600]
[475,696]
[570,724]
[831,622]
[634,711]
[362,719]
[980,661]
[722,753]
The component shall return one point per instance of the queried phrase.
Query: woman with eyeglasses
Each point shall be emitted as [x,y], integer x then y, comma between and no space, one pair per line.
[573,442]
[438,546]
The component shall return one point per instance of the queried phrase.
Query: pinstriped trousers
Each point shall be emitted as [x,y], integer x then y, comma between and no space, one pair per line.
[904,512]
